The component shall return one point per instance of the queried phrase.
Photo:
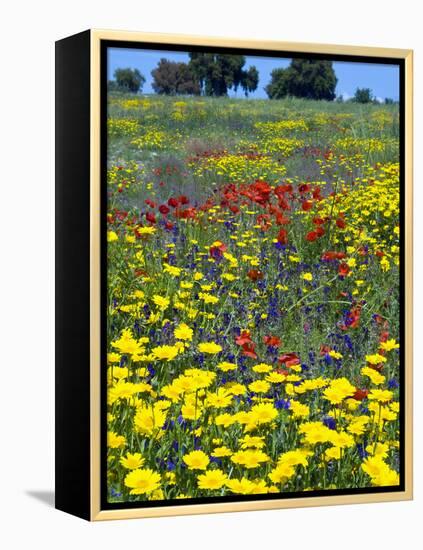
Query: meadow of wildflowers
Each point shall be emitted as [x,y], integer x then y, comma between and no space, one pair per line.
[252,297]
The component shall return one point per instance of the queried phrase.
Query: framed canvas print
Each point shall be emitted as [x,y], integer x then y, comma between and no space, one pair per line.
[233,275]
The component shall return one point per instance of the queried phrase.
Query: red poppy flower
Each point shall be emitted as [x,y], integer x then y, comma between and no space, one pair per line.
[341,223]
[255,275]
[328,256]
[307,205]
[150,217]
[384,336]
[248,350]
[280,190]
[343,269]
[188,213]
[163,209]
[282,236]
[284,204]
[360,394]
[324,349]
[282,371]
[281,219]
[332,255]
[183,199]
[258,192]
[150,203]
[318,221]
[304,188]
[377,368]
[312,236]
[217,251]
[319,231]
[352,318]
[172,202]
[243,338]
[264,221]
[140,272]
[273,341]
[289,359]
[121,214]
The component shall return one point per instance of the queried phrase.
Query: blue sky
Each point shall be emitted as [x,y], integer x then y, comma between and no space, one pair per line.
[383,80]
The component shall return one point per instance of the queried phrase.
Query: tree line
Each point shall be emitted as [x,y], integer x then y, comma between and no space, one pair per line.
[205,74]
[212,74]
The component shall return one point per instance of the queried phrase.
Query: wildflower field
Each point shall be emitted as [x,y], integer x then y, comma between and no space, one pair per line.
[253,297]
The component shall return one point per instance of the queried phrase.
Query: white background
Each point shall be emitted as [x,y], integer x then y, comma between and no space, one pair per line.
[28,32]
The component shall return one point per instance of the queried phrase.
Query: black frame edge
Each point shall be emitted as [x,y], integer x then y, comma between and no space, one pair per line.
[72,266]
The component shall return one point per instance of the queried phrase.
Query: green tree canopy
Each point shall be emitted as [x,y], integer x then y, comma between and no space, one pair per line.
[129,79]
[306,78]
[218,73]
[363,95]
[250,80]
[173,78]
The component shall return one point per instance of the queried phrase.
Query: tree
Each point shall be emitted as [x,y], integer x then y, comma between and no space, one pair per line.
[112,86]
[172,78]
[278,86]
[250,81]
[363,95]
[218,73]
[130,80]
[200,64]
[306,78]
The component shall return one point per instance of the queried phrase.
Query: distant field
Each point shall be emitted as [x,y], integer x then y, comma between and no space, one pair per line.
[165,132]
[253,281]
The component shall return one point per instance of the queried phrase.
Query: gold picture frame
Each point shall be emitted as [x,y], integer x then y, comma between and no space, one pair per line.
[83,484]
